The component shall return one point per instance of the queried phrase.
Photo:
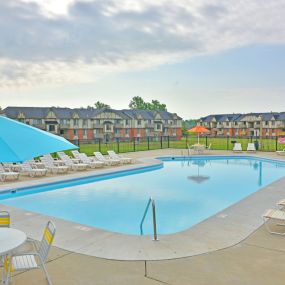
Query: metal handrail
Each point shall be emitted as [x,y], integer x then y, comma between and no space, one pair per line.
[152,202]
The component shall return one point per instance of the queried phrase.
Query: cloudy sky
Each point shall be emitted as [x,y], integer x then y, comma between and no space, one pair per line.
[198,57]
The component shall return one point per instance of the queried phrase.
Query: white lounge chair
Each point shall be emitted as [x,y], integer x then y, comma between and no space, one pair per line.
[8,175]
[12,167]
[31,170]
[237,147]
[274,215]
[88,160]
[74,165]
[34,259]
[124,160]
[106,160]
[251,147]
[280,152]
[50,166]
[55,161]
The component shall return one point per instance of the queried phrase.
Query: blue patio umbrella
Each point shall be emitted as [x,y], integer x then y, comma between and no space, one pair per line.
[20,142]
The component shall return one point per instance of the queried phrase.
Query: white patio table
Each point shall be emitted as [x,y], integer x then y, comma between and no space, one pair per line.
[10,240]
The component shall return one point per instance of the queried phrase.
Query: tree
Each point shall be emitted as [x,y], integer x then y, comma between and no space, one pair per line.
[137,102]
[100,105]
[188,124]
[156,105]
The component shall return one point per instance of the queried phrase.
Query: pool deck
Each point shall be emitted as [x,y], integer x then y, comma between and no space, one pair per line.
[258,260]
[225,229]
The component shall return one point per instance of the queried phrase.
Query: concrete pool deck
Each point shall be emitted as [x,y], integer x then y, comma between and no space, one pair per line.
[227,228]
[259,259]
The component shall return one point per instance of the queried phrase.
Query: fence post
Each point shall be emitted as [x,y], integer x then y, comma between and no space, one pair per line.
[276,143]
[118,146]
[186,146]
[161,142]
[168,144]
[228,140]
[134,144]
[251,139]
[206,141]
[147,143]
[99,145]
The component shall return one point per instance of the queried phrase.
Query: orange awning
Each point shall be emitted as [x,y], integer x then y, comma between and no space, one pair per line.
[198,129]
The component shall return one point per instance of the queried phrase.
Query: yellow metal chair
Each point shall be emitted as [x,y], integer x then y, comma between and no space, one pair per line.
[37,259]
[4,219]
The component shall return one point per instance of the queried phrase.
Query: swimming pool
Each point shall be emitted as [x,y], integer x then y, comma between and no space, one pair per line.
[186,192]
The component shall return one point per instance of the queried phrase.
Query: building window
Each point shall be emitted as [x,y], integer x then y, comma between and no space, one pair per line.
[84,132]
[108,127]
[117,131]
[63,121]
[62,132]
[95,131]
[158,127]
[75,122]
[84,123]
[51,128]
[75,132]
[127,131]
[37,121]
[139,122]
[117,121]
[127,122]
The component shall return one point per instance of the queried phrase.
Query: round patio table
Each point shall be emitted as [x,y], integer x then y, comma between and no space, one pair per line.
[10,239]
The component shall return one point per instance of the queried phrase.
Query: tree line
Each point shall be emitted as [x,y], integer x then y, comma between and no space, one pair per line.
[136,102]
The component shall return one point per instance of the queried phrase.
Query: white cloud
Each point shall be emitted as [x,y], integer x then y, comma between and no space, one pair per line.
[45,42]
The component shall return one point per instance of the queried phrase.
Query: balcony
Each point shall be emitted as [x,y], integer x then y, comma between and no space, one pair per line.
[64,126]
[119,126]
[97,126]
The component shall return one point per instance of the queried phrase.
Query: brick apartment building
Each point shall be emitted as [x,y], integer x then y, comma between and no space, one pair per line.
[252,124]
[106,125]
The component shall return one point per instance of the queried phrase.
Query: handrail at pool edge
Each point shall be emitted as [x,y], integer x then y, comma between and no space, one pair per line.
[152,202]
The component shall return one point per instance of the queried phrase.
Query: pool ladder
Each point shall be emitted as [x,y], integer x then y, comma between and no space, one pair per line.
[152,202]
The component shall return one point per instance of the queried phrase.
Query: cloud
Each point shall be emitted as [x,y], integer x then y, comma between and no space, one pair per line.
[44,43]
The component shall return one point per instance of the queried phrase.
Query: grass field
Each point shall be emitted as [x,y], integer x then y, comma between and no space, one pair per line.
[216,144]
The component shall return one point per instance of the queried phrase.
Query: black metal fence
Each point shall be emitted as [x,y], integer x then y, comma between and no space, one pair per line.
[162,142]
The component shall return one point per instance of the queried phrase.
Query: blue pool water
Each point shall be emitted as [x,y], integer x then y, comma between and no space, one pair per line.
[186,192]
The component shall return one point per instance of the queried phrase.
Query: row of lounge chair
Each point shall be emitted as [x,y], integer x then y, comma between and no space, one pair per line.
[47,164]
[250,147]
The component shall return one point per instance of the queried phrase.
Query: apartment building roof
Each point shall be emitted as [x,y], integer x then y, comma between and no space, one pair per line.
[84,113]
[239,117]
[221,117]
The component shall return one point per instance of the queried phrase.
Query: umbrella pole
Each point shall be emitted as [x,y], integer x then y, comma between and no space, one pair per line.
[198,139]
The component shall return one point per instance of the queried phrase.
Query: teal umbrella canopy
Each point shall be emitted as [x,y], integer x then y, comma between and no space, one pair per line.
[20,142]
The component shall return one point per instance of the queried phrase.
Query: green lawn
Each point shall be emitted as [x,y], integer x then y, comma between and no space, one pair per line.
[216,143]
